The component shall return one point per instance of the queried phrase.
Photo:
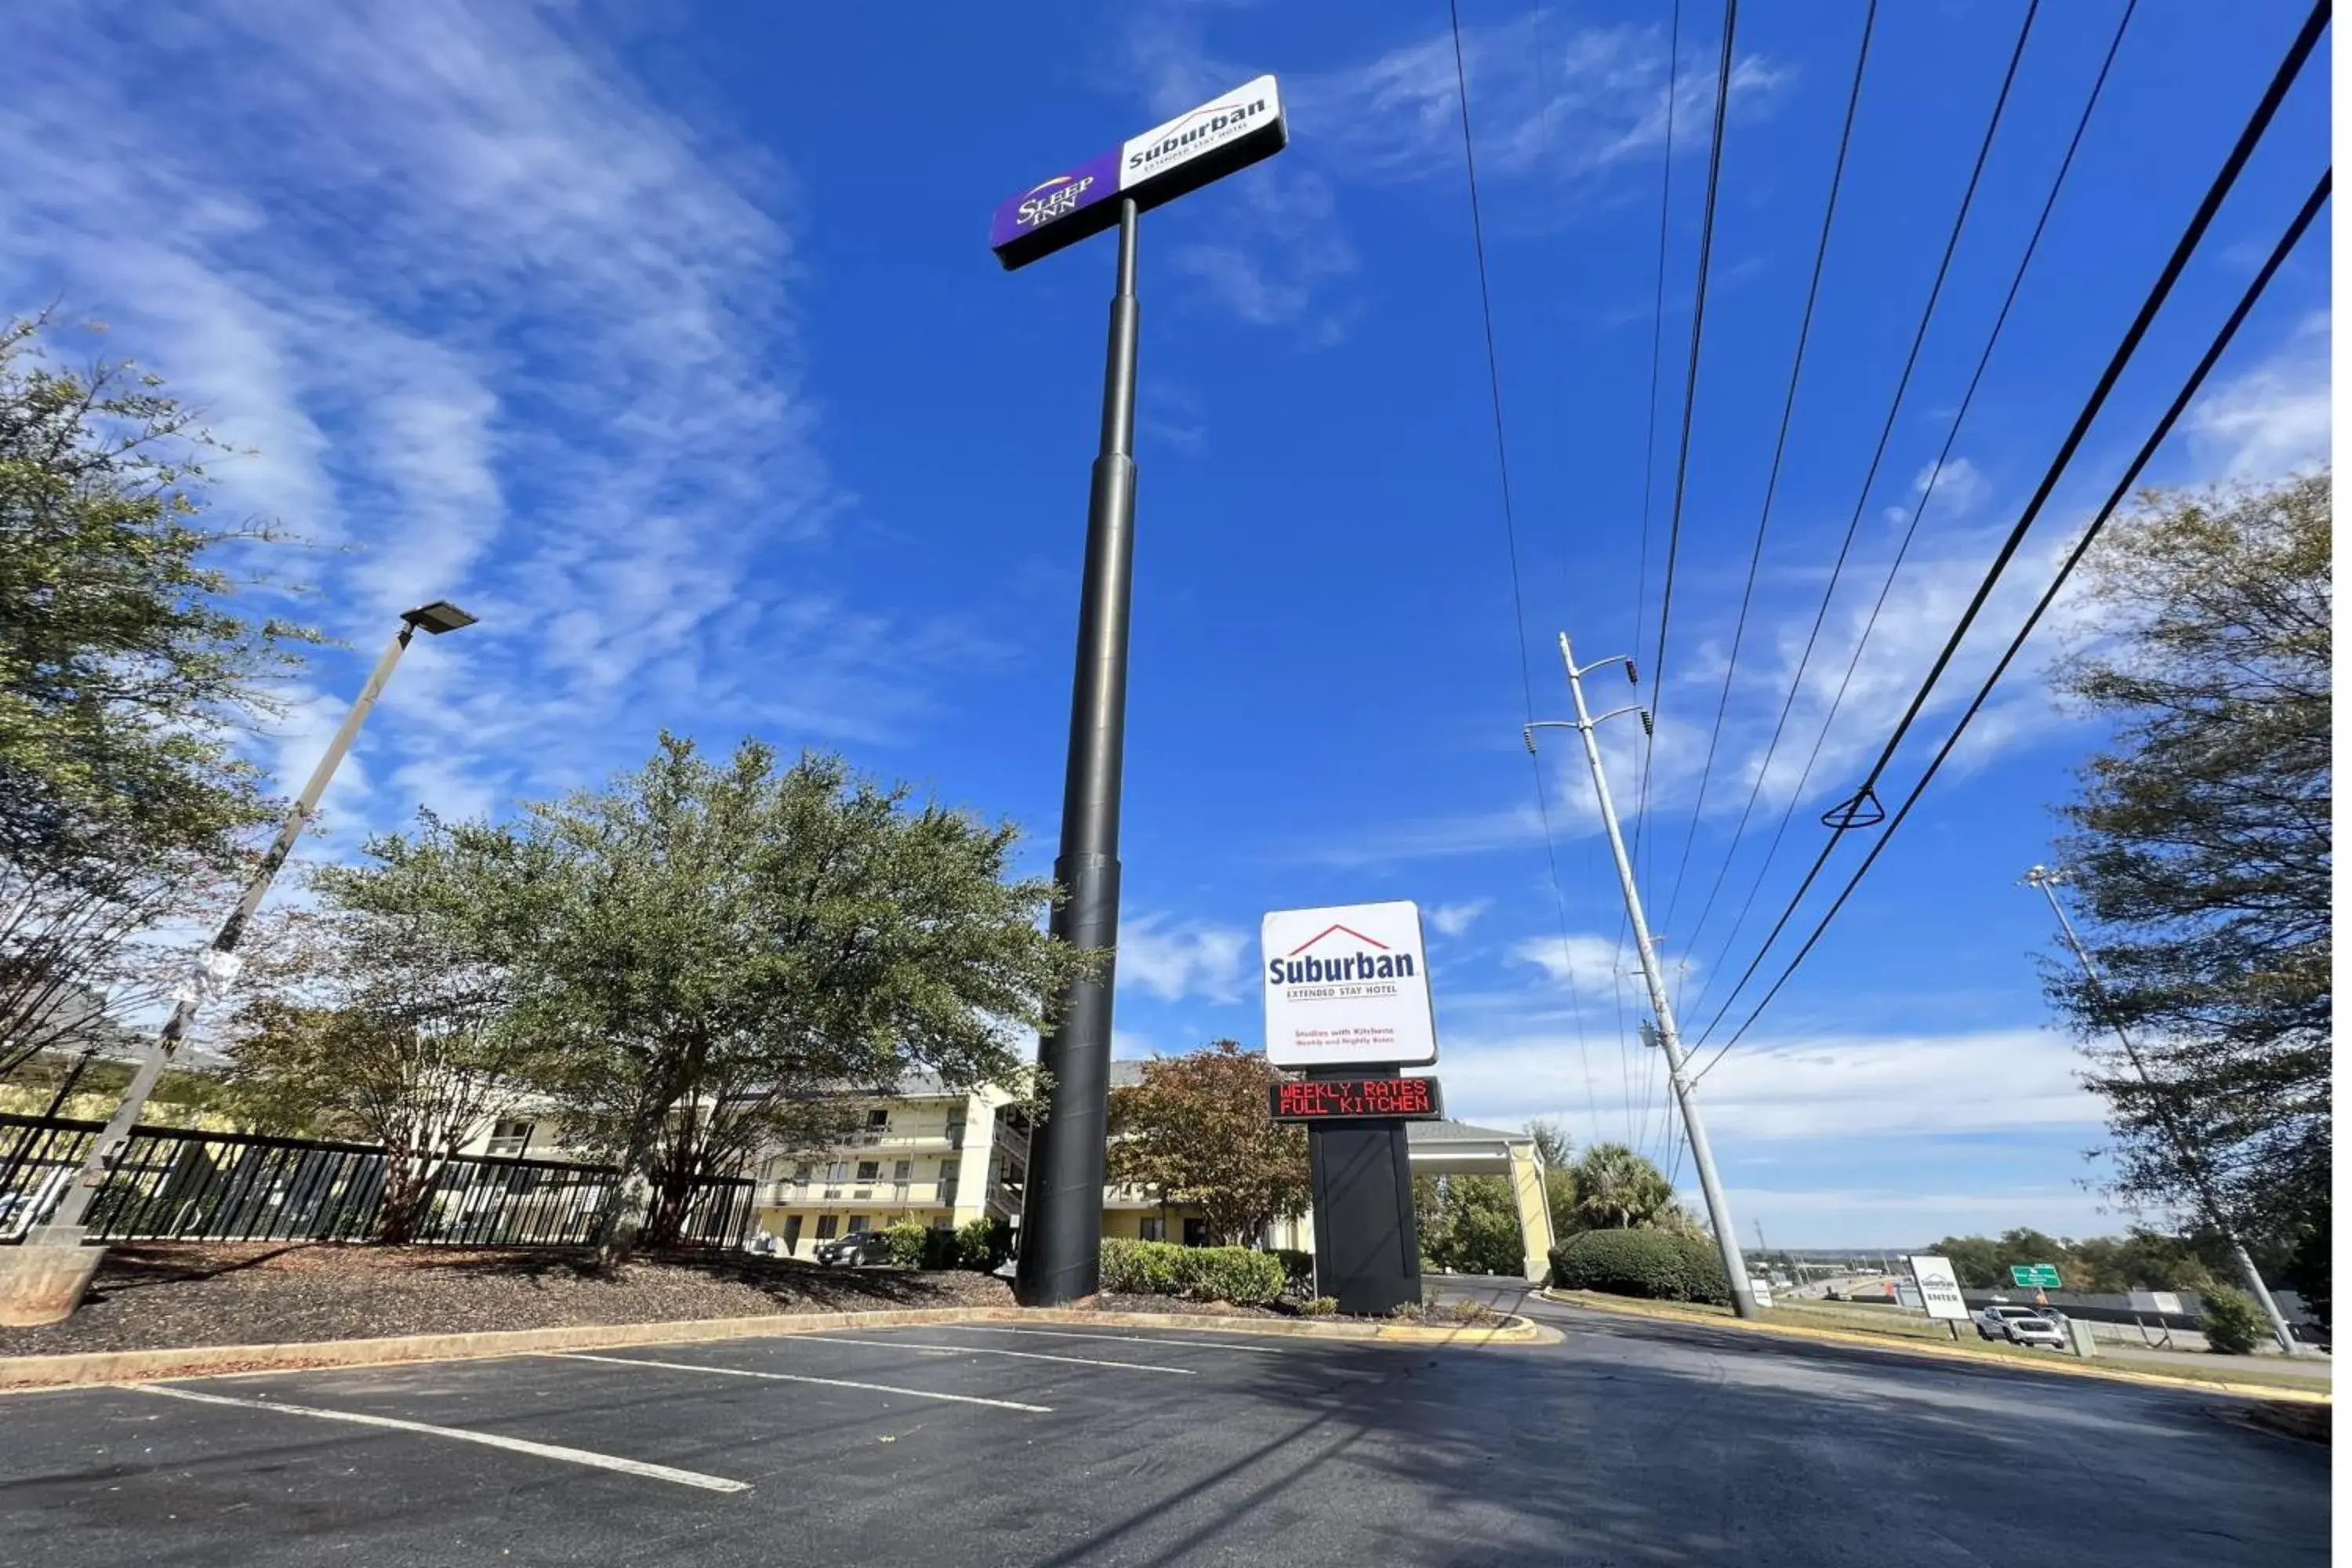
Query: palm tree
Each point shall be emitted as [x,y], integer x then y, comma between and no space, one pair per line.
[1616,1189]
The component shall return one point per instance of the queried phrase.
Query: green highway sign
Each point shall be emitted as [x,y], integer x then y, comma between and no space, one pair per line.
[2034,1276]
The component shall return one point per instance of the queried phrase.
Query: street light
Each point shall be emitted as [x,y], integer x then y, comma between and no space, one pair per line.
[2192,1162]
[42,1281]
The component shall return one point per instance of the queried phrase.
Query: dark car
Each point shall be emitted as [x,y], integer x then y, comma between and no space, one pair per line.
[859,1249]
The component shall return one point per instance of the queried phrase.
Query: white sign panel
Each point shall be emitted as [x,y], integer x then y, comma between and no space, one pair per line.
[1197,132]
[1761,1290]
[1347,987]
[1939,1288]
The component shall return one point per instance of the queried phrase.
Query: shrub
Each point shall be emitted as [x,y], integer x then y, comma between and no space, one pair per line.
[909,1241]
[983,1243]
[1297,1272]
[1237,1274]
[1654,1264]
[2233,1324]
[1321,1307]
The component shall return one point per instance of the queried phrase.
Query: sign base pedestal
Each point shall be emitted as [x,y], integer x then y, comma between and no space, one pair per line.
[1367,1248]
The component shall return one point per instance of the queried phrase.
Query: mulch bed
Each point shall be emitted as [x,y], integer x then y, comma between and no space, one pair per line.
[156,1296]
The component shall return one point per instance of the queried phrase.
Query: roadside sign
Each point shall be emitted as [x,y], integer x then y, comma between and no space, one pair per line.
[1762,1289]
[2165,1302]
[1939,1286]
[1347,986]
[1357,1099]
[2035,1276]
[1166,162]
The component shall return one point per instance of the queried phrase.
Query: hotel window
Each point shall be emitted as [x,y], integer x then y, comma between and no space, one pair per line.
[509,1137]
[838,1172]
[857,1223]
[1153,1229]
[826,1225]
[903,1170]
[947,1170]
[868,1169]
[876,1121]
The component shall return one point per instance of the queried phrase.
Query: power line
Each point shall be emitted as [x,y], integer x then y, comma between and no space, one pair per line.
[1779,449]
[1649,485]
[1690,400]
[1869,479]
[1934,478]
[2287,242]
[2174,266]
[1511,536]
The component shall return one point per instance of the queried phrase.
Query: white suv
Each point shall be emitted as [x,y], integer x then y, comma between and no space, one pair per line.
[2019,1326]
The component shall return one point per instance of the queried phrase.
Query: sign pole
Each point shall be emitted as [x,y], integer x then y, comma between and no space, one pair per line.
[1061,1243]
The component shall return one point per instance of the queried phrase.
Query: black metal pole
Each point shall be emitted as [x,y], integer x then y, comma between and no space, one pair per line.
[1061,1220]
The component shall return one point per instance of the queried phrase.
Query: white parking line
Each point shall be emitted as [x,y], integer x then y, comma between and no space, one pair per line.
[991,1349]
[459,1434]
[1123,1338]
[795,1377]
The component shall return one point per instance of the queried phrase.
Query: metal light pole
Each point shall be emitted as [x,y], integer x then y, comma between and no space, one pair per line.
[1718,1210]
[219,967]
[1061,1221]
[2192,1161]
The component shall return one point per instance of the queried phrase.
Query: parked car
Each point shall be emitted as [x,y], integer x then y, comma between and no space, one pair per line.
[2021,1326]
[859,1249]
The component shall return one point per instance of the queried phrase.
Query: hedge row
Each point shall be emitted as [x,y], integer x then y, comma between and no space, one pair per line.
[979,1244]
[1654,1264]
[1236,1274]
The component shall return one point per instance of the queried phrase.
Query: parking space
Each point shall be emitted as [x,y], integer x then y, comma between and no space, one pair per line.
[1054,1446]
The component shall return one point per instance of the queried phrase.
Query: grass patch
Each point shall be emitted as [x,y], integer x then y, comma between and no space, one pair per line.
[1928,1335]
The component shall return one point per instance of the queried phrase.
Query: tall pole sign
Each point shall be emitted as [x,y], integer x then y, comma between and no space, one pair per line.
[1061,1242]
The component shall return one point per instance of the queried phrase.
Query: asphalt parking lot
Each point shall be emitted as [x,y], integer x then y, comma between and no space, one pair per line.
[1630,1443]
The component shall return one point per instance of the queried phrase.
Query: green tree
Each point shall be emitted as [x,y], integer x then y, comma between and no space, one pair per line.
[126,672]
[704,950]
[2233,1324]
[1617,1189]
[2200,846]
[1468,1224]
[1197,1131]
[376,1013]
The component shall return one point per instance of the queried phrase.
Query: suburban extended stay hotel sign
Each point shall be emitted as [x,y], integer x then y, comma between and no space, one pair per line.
[1347,987]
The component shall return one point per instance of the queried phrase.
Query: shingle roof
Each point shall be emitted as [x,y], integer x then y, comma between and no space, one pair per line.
[1458,1133]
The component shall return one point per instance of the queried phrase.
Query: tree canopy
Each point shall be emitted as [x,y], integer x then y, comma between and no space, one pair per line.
[127,668]
[1197,1131]
[2200,845]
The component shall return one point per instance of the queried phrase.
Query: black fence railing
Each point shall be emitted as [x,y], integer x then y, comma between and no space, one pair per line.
[180,1184]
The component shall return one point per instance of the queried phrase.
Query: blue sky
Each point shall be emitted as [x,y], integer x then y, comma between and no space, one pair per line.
[667,339]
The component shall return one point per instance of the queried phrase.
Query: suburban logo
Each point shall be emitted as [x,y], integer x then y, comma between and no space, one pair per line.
[1328,967]
[1054,198]
[1198,131]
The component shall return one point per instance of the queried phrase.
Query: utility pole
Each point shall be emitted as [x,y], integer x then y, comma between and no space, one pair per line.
[1719,1210]
[2191,1160]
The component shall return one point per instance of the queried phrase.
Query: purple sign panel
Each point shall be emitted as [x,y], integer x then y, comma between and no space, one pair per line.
[1033,210]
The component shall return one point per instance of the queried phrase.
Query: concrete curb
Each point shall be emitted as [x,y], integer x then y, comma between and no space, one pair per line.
[1929,1350]
[27,1373]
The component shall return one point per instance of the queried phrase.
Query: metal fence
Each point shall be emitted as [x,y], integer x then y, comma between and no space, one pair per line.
[180,1184]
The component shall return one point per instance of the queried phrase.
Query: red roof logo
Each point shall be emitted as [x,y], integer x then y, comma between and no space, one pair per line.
[1327,931]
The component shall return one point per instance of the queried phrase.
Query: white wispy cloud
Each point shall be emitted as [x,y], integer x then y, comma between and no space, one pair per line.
[1553,101]
[1453,920]
[1174,960]
[501,327]
[1995,1080]
[2273,419]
